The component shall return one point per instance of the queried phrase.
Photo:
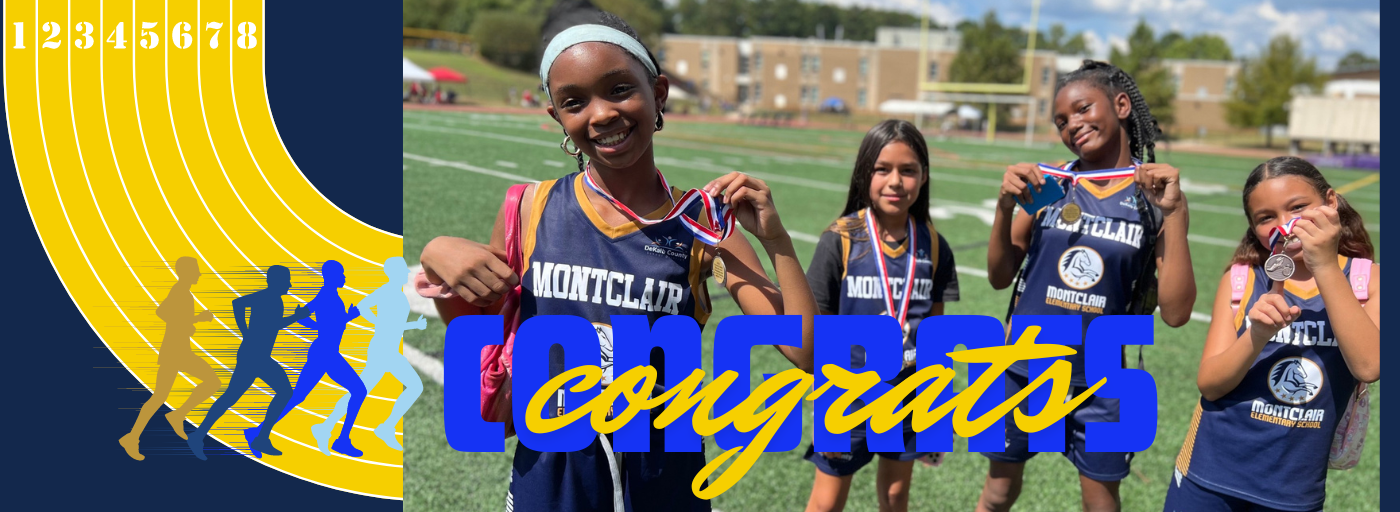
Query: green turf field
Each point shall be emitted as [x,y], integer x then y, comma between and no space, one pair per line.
[458,165]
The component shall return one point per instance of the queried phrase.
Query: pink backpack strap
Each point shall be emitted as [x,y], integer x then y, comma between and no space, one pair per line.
[513,228]
[1239,277]
[1361,278]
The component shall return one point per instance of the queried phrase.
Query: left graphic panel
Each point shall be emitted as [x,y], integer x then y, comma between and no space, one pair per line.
[194,246]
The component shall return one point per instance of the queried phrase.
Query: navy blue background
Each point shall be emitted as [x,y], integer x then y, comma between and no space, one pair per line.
[70,399]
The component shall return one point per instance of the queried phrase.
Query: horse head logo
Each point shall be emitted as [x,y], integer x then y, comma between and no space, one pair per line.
[1081,267]
[1295,380]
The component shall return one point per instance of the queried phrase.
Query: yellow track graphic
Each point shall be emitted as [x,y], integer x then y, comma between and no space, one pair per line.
[132,157]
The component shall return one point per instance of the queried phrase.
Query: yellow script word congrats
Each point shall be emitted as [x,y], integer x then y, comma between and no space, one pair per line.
[690,394]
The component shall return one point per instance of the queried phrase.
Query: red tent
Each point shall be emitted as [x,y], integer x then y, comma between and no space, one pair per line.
[445,74]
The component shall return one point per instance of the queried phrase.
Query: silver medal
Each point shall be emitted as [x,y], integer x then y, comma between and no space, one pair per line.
[1279,267]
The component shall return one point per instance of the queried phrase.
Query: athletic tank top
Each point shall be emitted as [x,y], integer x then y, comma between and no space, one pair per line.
[576,264]
[1086,268]
[862,293]
[1267,441]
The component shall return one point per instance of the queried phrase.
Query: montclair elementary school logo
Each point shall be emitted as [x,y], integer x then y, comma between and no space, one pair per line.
[1295,380]
[1081,267]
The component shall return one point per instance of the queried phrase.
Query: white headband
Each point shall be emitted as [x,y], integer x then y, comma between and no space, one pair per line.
[590,34]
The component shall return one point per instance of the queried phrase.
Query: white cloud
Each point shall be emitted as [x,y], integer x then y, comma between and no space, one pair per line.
[944,13]
[1117,42]
[1097,47]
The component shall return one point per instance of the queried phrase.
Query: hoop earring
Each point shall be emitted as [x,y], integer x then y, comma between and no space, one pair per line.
[660,121]
[565,146]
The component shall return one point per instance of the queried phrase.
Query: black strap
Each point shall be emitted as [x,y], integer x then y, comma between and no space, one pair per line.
[1144,295]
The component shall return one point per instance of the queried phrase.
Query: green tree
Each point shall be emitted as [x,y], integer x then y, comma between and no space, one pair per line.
[1200,46]
[989,54]
[1142,61]
[642,15]
[1057,39]
[1355,58]
[507,38]
[1266,85]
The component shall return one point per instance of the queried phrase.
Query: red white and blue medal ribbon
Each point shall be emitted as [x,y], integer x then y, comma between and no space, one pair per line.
[1281,233]
[720,215]
[1067,172]
[875,242]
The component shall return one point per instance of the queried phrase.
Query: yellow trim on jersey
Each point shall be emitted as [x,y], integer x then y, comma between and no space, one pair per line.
[527,231]
[698,289]
[845,251]
[1240,311]
[631,226]
[1103,192]
[1183,459]
[932,256]
[885,248]
[1307,293]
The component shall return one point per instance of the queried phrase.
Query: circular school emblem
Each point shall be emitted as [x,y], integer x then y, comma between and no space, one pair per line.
[605,346]
[1295,380]
[1080,267]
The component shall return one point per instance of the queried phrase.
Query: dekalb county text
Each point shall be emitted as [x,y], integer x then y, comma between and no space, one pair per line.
[751,422]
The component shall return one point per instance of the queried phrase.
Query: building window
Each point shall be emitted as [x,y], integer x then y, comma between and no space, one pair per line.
[780,71]
[860,98]
[1176,81]
[1202,92]
[816,63]
[758,92]
[682,67]
[1040,107]
[933,72]
[743,64]
[1045,76]
[1229,85]
[814,96]
[864,67]
[704,59]
[802,96]
[838,75]
[757,61]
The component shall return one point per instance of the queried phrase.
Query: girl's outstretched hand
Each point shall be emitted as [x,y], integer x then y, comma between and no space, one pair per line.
[477,272]
[1161,184]
[1320,230]
[752,202]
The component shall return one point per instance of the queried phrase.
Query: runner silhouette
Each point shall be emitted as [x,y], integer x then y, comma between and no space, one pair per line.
[386,308]
[255,361]
[176,356]
[322,359]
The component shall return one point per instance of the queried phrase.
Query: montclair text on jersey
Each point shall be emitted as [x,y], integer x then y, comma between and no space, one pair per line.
[602,286]
[1118,230]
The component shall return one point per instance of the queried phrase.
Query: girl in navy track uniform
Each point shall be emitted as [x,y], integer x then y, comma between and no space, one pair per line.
[850,276]
[587,254]
[1281,364]
[1091,253]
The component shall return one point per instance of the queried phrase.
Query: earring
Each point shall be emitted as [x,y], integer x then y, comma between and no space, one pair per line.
[660,121]
[565,146]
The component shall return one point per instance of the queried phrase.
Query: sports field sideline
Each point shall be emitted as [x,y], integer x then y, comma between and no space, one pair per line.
[457,166]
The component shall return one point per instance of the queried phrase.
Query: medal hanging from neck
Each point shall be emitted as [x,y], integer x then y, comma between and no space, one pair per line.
[873,230]
[1071,212]
[1279,266]
[720,215]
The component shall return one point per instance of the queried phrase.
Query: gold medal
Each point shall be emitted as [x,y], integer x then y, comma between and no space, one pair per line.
[718,270]
[1070,214]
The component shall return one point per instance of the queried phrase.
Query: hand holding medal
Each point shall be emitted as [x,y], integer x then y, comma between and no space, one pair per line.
[1319,230]
[748,200]
[1280,266]
[1070,213]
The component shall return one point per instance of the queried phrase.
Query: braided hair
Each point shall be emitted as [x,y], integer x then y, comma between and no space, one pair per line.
[1141,126]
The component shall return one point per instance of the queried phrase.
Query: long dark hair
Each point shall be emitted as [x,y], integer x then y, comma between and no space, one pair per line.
[884,133]
[1355,241]
[1141,126]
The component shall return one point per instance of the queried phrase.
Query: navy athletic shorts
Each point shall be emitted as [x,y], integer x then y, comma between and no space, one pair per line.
[1101,466]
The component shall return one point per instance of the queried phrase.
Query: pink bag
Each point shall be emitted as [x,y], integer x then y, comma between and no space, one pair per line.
[1350,437]
[495,359]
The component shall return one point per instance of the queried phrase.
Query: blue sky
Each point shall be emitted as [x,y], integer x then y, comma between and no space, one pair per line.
[1328,28]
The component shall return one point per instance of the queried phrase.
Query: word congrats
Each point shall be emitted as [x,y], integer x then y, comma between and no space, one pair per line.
[748,422]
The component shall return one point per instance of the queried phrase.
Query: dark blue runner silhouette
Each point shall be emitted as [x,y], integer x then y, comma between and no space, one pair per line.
[322,359]
[255,353]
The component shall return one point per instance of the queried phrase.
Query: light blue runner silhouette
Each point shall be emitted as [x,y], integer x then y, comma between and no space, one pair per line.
[322,359]
[387,309]
[259,333]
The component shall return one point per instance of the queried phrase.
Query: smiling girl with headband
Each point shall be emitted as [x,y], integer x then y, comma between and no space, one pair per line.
[616,239]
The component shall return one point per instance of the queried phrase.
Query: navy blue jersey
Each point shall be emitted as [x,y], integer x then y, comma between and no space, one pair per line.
[1086,268]
[860,292]
[576,264]
[1267,441]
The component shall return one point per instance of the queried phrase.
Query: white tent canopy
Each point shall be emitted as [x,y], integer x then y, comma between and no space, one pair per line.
[413,73]
[915,107]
